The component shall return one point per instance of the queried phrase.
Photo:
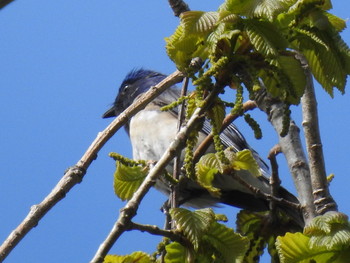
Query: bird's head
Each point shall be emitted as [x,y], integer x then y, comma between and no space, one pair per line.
[135,83]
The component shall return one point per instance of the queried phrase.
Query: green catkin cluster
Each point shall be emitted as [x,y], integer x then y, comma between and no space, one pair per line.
[212,71]
[217,142]
[203,83]
[174,104]
[238,106]
[188,161]
[254,125]
[126,161]
[286,120]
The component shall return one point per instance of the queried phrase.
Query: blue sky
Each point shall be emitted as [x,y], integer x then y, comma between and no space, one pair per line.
[61,63]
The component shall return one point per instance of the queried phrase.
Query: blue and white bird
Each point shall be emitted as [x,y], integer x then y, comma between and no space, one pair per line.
[151,131]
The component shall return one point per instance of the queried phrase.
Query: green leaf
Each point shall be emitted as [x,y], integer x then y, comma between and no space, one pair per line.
[217,113]
[331,231]
[295,79]
[229,245]
[127,179]
[305,6]
[293,248]
[198,22]
[330,66]
[181,47]
[206,169]
[250,225]
[135,257]
[338,23]
[244,160]
[193,224]
[265,37]
[176,253]
[268,9]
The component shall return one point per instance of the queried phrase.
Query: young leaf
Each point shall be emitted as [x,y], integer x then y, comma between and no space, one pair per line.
[206,169]
[250,225]
[176,253]
[265,37]
[244,160]
[295,78]
[193,224]
[293,248]
[181,48]
[229,245]
[198,22]
[252,8]
[127,180]
[217,113]
[135,257]
[331,231]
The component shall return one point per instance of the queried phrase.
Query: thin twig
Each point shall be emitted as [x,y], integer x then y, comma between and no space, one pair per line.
[265,196]
[274,179]
[324,202]
[155,230]
[129,211]
[75,174]
[174,196]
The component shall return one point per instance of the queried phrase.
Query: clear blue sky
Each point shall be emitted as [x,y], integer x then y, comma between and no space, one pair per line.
[61,63]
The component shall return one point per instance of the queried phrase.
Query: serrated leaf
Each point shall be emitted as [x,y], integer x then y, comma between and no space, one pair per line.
[135,257]
[230,245]
[293,248]
[176,253]
[193,224]
[249,224]
[331,230]
[217,113]
[206,169]
[127,179]
[244,160]
[305,6]
[268,9]
[338,23]
[181,47]
[198,22]
[265,37]
[292,70]
[329,66]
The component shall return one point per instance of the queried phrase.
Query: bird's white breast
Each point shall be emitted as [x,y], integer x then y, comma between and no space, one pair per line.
[151,132]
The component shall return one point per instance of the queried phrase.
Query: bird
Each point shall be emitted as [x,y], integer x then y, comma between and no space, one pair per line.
[152,130]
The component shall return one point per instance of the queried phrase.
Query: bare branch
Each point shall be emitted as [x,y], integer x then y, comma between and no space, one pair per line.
[129,211]
[293,151]
[75,174]
[178,7]
[155,230]
[174,195]
[3,3]
[323,199]
[275,181]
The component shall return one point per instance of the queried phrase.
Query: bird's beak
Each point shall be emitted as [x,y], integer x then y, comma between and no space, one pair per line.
[110,113]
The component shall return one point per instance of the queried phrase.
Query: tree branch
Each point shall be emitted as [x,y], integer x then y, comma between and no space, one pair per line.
[75,174]
[178,7]
[293,151]
[323,199]
[3,3]
[129,211]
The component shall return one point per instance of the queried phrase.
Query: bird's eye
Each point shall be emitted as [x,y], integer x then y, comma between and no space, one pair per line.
[125,89]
